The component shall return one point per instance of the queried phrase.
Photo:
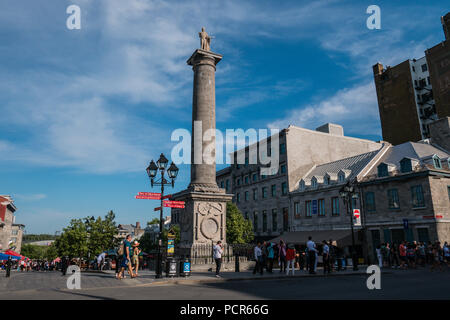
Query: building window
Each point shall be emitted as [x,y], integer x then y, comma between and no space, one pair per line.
[314,182]
[405,165]
[282,148]
[274,220]
[255,220]
[246,196]
[437,162]
[413,69]
[423,235]
[227,184]
[321,204]
[297,209]
[284,188]
[255,194]
[335,206]
[238,166]
[14,232]
[424,68]
[308,208]
[238,197]
[255,177]
[417,197]
[326,180]
[302,185]
[370,202]
[264,192]
[393,200]
[382,170]
[246,179]
[274,190]
[238,181]
[283,168]
[341,177]
[264,221]
[246,215]
[246,161]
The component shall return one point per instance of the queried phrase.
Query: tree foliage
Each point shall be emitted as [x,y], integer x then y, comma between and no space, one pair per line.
[88,237]
[39,252]
[239,229]
[149,242]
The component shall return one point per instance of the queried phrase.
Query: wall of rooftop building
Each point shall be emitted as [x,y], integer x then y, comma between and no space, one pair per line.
[440,133]
[438,58]
[306,148]
[397,103]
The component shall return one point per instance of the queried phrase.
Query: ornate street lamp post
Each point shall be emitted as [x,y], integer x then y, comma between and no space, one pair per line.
[348,193]
[172,172]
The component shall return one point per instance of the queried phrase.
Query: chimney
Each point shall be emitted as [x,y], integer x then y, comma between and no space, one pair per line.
[138,225]
[331,128]
[377,69]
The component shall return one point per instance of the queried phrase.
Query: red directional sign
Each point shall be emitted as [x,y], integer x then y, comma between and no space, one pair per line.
[174,204]
[148,197]
[154,194]
[157,208]
[167,197]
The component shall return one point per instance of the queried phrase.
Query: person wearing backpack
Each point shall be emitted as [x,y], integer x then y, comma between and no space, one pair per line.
[126,262]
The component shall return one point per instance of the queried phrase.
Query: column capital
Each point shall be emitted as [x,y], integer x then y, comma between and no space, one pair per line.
[200,54]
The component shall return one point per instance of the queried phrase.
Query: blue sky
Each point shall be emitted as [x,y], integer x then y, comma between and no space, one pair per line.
[83,111]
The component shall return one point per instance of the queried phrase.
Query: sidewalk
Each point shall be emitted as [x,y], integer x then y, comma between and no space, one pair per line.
[207,277]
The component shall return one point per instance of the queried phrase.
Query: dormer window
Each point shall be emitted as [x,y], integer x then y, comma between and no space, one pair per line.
[341,177]
[405,165]
[302,184]
[326,180]
[314,182]
[437,162]
[383,170]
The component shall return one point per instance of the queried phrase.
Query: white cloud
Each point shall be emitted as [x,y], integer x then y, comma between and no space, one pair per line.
[355,108]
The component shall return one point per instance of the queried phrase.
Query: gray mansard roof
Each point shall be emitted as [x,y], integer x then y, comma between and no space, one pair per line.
[352,165]
[413,150]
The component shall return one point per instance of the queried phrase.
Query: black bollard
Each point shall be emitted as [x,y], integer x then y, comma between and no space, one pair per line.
[236,262]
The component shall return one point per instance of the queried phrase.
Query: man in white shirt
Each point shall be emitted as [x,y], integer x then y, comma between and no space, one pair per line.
[100,259]
[218,250]
[312,255]
[258,258]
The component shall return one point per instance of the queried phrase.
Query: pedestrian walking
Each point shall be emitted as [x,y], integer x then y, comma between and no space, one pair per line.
[402,253]
[8,267]
[258,259]
[436,258]
[282,256]
[326,257]
[311,254]
[379,256]
[136,253]
[270,257]
[333,252]
[290,259]
[264,254]
[218,251]
[126,262]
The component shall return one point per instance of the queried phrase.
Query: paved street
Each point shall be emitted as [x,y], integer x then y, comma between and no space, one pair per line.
[396,284]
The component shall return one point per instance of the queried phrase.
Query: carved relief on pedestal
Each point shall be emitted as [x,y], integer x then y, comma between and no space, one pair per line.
[208,217]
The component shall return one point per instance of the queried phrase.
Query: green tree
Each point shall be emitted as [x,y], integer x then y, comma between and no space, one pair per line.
[154,221]
[239,229]
[88,237]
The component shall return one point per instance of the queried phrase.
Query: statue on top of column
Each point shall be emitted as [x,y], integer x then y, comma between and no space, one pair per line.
[205,40]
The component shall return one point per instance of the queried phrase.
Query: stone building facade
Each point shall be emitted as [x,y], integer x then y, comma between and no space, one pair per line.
[10,232]
[264,199]
[406,196]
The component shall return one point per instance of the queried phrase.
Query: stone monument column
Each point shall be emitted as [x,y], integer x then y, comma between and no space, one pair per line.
[203,220]
[203,173]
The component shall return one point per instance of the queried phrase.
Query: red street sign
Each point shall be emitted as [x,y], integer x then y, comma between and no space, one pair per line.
[153,194]
[174,204]
[148,197]
[158,208]
[167,197]
[356,213]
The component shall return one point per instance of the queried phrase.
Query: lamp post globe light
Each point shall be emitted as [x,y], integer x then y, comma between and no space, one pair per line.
[172,172]
[348,193]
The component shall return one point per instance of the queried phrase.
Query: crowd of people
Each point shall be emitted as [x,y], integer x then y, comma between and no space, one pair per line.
[29,265]
[291,257]
[413,254]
